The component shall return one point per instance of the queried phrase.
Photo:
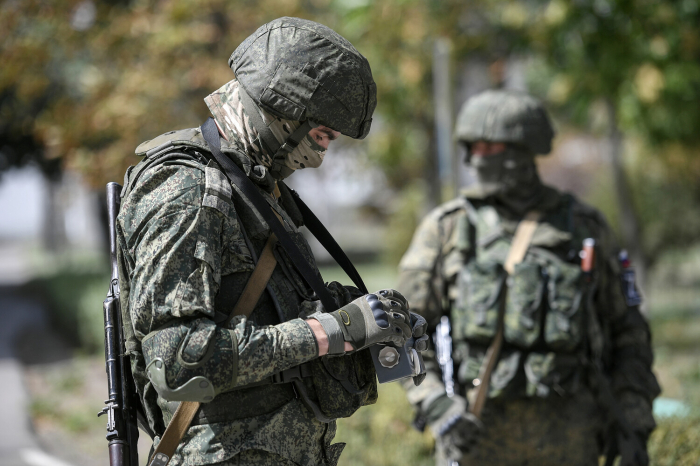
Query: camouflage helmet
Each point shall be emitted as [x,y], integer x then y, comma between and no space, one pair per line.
[301,70]
[505,116]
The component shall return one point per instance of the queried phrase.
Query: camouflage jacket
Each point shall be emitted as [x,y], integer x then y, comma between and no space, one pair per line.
[185,239]
[454,266]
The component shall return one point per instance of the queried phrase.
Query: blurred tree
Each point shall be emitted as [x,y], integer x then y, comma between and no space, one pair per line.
[89,80]
[632,67]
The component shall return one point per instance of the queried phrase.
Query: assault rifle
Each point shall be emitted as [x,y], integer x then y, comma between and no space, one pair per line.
[443,354]
[122,430]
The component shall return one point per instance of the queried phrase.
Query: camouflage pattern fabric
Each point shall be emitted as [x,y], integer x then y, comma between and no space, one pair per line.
[260,458]
[227,108]
[183,263]
[299,69]
[505,116]
[540,363]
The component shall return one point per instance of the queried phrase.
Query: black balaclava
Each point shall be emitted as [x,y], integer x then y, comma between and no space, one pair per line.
[509,176]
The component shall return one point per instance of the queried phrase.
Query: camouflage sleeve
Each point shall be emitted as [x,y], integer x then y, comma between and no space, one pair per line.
[419,269]
[176,227]
[629,349]
[420,281]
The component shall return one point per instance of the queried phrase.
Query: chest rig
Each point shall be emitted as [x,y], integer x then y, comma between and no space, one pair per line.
[542,299]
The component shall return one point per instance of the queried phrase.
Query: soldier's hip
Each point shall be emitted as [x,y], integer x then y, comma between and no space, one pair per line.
[539,431]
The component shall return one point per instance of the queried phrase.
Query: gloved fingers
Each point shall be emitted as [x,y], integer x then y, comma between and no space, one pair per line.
[419,324]
[393,295]
[421,344]
[402,332]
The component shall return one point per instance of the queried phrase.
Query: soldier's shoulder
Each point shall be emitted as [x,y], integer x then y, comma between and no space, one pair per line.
[182,138]
[586,211]
[450,208]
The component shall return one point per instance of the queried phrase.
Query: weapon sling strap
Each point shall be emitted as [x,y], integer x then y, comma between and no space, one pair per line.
[314,225]
[518,248]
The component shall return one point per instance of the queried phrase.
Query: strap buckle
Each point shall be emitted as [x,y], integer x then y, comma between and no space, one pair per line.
[292,374]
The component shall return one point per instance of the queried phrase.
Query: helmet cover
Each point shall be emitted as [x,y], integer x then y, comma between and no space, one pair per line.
[505,116]
[298,69]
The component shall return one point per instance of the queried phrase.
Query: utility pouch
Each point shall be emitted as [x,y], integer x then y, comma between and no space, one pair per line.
[563,325]
[505,377]
[480,287]
[342,384]
[547,372]
[526,289]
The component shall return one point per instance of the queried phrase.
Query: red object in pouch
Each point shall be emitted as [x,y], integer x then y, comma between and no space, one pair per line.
[588,255]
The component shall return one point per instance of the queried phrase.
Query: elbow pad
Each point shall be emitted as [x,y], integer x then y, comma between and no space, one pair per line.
[191,362]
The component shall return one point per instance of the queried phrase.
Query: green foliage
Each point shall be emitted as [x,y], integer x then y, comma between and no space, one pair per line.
[89,94]
[75,301]
[675,441]
[382,433]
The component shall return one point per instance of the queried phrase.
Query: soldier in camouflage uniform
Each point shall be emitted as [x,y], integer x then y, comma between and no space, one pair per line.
[542,406]
[189,240]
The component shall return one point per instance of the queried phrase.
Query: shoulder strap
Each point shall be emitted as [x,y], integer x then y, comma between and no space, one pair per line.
[521,240]
[236,175]
[324,237]
[174,432]
[256,283]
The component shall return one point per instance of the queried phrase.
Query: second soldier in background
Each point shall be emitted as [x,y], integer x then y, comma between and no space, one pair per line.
[502,261]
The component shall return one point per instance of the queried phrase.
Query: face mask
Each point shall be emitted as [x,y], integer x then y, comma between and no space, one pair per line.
[511,173]
[308,154]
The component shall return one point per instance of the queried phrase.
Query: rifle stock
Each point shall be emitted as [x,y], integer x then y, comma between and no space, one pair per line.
[122,430]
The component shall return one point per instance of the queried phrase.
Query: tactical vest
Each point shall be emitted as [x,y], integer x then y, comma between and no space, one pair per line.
[544,301]
[338,386]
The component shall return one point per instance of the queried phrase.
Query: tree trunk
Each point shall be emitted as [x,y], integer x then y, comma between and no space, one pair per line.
[629,223]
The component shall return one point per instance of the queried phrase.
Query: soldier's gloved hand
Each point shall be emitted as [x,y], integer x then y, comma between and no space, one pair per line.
[633,451]
[419,327]
[456,431]
[380,317]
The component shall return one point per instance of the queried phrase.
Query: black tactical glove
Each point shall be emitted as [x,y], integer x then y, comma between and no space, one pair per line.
[456,431]
[633,450]
[419,327]
[380,317]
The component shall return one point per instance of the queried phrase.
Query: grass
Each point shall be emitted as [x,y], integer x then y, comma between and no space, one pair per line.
[380,434]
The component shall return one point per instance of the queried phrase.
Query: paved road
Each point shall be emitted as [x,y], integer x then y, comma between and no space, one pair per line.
[18,446]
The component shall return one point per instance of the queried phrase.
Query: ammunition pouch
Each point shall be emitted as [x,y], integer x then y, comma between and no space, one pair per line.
[342,384]
[543,302]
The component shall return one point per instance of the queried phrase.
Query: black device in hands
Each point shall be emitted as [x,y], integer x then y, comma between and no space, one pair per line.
[392,363]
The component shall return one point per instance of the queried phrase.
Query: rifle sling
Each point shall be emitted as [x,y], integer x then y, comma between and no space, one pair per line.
[518,248]
[174,432]
[314,225]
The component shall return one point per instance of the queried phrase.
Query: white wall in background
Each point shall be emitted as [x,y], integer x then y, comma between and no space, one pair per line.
[22,194]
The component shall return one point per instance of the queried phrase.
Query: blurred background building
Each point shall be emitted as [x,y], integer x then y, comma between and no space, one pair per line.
[83,82]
